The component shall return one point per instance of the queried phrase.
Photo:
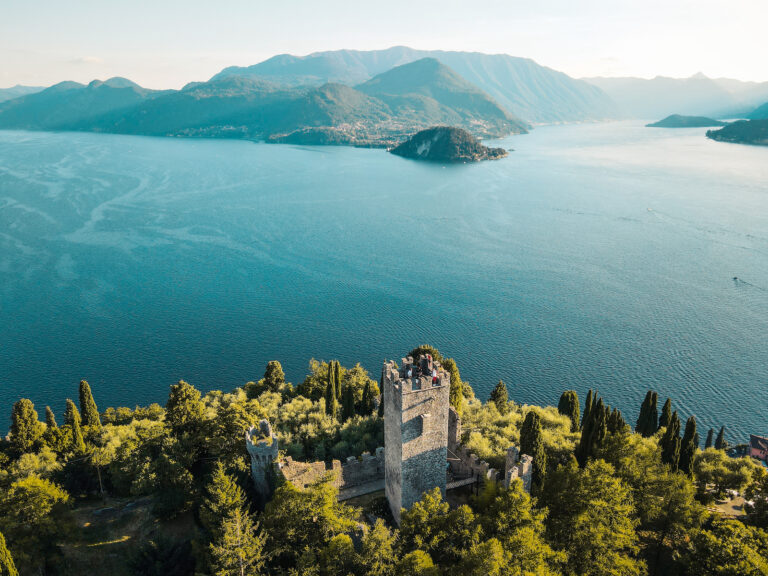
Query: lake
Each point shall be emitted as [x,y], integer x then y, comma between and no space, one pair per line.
[607,256]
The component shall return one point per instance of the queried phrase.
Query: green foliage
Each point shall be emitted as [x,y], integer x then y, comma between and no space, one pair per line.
[163,557]
[456,396]
[7,566]
[670,442]
[757,492]
[729,547]
[710,436]
[426,349]
[222,498]
[666,414]
[720,442]
[184,410]
[416,563]
[304,520]
[72,418]
[331,402]
[714,467]
[587,408]
[689,446]
[648,420]
[500,397]
[347,404]
[238,549]
[377,551]
[50,418]
[594,429]
[367,403]
[88,409]
[26,430]
[569,406]
[532,443]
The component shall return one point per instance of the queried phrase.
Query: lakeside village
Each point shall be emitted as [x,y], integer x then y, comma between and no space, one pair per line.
[343,475]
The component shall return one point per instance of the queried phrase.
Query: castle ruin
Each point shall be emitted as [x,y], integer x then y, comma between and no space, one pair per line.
[422,446]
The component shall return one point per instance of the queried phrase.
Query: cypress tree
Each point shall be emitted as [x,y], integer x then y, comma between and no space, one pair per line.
[347,403]
[720,443]
[670,442]
[50,418]
[456,395]
[331,403]
[666,414]
[26,430]
[648,420]
[184,411]
[274,377]
[689,446]
[500,397]
[616,423]
[72,418]
[366,404]
[88,409]
[7,567]
[710,437]
[587,409]
[569,406]
[593,431]
[337,379]
[532,443]
[381,395]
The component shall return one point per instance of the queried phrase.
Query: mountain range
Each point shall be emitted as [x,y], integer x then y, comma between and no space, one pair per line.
[17,91]
[697,96]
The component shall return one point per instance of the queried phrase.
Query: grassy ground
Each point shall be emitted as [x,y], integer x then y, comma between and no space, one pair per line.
[110,532]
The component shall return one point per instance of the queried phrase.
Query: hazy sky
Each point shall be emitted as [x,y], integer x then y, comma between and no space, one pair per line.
[167,43]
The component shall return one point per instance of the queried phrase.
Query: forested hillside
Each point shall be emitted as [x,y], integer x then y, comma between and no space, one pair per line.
[166,490]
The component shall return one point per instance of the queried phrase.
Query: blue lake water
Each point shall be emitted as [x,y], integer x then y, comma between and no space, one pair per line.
[593,256]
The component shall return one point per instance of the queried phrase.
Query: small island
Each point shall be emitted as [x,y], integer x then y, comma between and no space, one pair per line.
[446,144]
[753,132]
[680,121]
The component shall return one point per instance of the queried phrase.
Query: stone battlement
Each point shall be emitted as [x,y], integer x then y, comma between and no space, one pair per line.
[262,447]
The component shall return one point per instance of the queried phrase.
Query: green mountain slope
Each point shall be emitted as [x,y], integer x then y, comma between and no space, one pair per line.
[759,113]
[680,121]
[524,88]
[743,132]
[18,91]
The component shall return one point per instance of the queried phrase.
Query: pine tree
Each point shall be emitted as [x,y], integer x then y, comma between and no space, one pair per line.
[720,442]
[26,430]
[184,411]
[532,443]
[222,497]
[331,403]
[88,409]
[648,420]
[670,442]
[7,567]
[569,406]
[347,403]
[500,397]
[710,436]
[239,551]
[666,414]
[50,419]
[587,409]
[688,446]
[367,403]
[72,417]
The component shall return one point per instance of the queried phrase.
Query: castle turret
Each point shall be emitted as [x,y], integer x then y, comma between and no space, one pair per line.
[416,402]
[262,447]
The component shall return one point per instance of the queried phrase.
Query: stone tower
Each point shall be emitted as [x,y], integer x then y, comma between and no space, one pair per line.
[416,402]
[262,447]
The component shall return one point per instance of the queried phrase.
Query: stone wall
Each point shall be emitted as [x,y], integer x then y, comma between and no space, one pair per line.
[262,448]
[353,473]
[517,466]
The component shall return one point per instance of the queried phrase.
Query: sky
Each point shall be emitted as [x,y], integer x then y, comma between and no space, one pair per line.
[167,43]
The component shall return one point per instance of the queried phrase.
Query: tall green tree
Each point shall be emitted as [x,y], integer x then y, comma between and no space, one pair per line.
[666,414]
[26,430]
[88,409]
[456,396]
[670,442]
[689,446]
[222,498]
[710,438]
[720,443]
[569,406]
[587,408]
[184,411]
[616,423]
[50,418]
[500,397]
[377,551]
[331,402]
[367,403]
[532,443]
[347,403]
[593,431]
[274,377]
[648,420]
[7,567]
[728,547]
[239,549]
[72,418]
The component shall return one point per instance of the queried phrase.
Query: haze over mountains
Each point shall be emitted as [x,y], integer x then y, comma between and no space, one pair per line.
[371,98]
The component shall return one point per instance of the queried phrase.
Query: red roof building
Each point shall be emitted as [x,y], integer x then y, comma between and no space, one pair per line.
[758,447]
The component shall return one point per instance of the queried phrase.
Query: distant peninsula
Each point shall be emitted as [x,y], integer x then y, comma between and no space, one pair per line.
[680,121]
[446,144]
[753,132]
